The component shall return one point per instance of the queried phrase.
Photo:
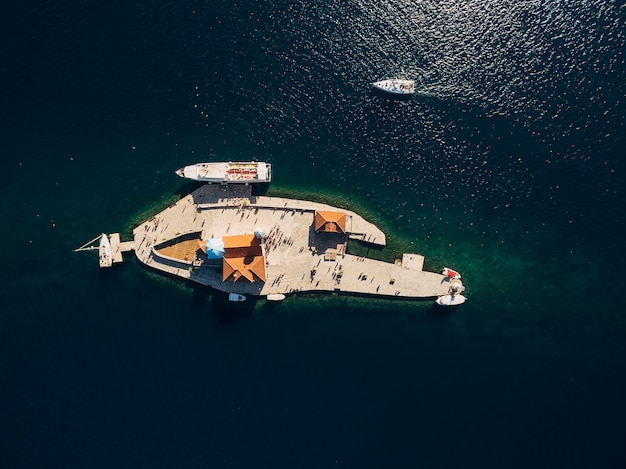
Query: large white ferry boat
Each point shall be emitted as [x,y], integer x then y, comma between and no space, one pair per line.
[396,86]
[228,172]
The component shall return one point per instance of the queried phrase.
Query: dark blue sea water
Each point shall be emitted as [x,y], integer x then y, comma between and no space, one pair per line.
[507,165]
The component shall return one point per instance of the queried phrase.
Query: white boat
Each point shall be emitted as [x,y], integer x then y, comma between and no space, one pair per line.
[396,86]
[450,273]
[236,297]
[275,297]
[450,300]
[104,251]
[228,172]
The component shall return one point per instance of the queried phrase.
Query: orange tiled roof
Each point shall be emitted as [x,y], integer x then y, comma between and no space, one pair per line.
[330,222]
[240,241]
[243,259]
[251,269]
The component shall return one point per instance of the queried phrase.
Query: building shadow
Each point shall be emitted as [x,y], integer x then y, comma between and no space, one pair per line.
[324,241]
[201,295]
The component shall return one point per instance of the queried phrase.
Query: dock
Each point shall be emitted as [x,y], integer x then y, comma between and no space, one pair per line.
[118,247]
[297,257]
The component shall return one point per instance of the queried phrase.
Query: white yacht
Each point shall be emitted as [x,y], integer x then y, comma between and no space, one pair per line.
[104,251]
[250,172]
[396,86]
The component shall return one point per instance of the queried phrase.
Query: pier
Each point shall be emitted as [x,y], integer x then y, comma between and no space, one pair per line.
[109,247]
[301,247]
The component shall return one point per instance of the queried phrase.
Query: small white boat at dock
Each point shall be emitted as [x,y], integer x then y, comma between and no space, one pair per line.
[454,297]
[450,273]
[450,300]
[396,86]
[249,172]
[275,297]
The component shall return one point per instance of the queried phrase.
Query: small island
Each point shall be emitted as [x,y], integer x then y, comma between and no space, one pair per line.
[224,237]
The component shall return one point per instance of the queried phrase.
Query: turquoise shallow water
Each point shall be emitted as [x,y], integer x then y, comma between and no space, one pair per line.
[505,165]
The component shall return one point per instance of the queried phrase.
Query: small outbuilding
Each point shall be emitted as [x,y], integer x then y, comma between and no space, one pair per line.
[330,222]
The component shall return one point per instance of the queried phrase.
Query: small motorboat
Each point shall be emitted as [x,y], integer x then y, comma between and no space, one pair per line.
[450,273]
[236,297]
[450,300]
[275,297]
[396,86]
